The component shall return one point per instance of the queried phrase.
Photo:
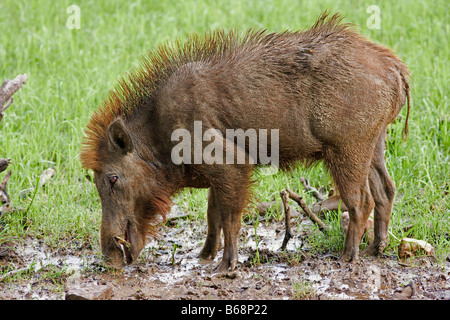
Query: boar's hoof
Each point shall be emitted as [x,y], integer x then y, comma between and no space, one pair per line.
[210,248]
[225,266]
[207,254]
[376,248]
[371,250]
[349,257]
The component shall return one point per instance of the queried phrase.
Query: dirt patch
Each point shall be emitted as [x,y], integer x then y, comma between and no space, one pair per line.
[169,269]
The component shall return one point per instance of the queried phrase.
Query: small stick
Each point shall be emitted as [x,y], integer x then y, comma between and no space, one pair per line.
[287,219]
[4,164]
[312,190]
[312,216]
[4,198]
[7,89]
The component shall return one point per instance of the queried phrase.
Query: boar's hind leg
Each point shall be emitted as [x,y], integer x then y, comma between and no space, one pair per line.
[212,242]
[383,191]
[350,172]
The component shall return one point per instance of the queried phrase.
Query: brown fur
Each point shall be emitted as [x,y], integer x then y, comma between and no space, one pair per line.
[329,91]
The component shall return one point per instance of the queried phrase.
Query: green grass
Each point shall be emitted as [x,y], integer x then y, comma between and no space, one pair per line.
[71,71]
[303,290]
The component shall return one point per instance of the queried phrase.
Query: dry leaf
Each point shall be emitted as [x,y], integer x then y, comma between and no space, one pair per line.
[410,247]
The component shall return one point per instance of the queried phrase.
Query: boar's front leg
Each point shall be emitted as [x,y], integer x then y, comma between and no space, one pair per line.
[212,243]
[231,206]
[225,204]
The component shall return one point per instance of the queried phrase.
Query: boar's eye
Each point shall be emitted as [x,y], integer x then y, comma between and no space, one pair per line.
[112,180]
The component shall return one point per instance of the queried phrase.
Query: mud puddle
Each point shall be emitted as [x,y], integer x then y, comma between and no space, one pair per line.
[168,268]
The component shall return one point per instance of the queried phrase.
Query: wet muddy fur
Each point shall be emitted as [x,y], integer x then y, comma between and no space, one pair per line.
[329,91]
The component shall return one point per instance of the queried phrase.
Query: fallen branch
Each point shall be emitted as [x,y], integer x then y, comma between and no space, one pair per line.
[263,208]
[311,190]
[332,203]
[8,88]
[311,215]
[287,219]
[322,206]
[4,198]
[4,164]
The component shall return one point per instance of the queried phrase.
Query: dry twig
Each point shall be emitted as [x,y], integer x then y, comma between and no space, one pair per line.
[287,219]
[322,206]
[4,198]
[311,215]
[4,164]
[312,190]
[8,88]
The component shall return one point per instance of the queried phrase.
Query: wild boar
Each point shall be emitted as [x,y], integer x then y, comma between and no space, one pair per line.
[326,94]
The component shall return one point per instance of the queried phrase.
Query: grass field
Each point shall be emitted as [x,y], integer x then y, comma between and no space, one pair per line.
[70,71]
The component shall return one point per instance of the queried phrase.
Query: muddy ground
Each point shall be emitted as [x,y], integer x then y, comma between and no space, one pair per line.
[168,268]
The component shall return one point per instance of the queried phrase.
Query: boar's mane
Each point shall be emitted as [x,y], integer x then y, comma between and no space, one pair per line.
[141,84]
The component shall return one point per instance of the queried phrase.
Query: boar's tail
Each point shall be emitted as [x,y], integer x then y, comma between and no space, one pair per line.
[404,76]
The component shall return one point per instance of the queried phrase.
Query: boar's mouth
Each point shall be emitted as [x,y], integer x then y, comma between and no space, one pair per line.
[125,245]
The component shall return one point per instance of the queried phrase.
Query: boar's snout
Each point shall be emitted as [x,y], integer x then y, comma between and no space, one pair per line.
[113,255]
[120,244]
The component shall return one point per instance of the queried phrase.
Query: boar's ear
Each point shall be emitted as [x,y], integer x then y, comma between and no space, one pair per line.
[119,137]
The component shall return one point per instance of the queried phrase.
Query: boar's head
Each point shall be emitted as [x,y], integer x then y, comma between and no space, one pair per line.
[130,190]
